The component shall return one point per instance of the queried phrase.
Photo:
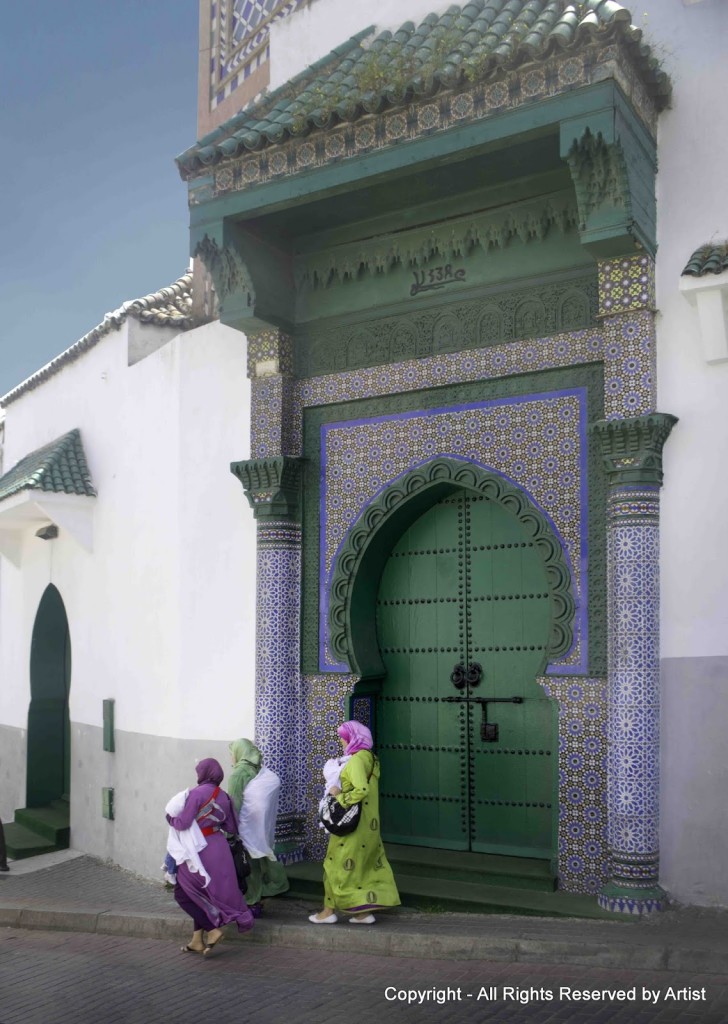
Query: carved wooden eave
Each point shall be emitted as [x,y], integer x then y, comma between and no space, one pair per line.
[592,97]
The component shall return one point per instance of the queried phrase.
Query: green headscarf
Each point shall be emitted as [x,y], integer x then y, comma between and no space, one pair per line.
[247,759]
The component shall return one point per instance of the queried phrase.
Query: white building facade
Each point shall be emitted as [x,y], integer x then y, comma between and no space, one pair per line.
[156,568]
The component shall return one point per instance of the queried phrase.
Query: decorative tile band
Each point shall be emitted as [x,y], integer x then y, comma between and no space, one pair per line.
[634,505]
[583,853]
[449,109]
[626,285]
[625,345]
[278,536]
[632,905]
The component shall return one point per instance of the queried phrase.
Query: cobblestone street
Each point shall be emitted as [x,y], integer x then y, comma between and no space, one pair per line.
[66,978]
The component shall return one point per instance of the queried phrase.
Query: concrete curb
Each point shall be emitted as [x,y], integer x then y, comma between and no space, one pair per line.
[383,940]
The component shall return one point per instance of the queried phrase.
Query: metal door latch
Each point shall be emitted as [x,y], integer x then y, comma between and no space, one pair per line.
[488,730]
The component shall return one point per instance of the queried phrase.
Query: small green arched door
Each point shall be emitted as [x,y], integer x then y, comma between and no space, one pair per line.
[465,588]
[49,731]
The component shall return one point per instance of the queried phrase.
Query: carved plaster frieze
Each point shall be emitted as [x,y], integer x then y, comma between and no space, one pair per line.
[528,222]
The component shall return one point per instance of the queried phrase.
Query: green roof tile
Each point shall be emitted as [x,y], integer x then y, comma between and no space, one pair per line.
[59,467]
[469,42]
[708,259]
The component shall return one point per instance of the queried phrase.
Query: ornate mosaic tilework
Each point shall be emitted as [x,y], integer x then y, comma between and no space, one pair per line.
[584,861]
[625,345]
[513,89]
[239,34]
[272,417]
[626,285]
[270,364]
[270,346]
[634,719]
[538,441]
[327,706]
[278,687]
[634,698]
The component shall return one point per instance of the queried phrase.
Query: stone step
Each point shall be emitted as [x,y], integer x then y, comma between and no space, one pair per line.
[489,869]
[52,822]
[438,894]
[21,842]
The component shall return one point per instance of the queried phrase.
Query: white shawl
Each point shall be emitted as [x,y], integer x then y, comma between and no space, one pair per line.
[184,846]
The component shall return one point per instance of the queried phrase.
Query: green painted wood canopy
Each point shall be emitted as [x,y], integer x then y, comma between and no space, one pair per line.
[503,101]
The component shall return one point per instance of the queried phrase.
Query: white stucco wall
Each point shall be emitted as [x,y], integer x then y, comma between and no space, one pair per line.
[161,613]
[692,205]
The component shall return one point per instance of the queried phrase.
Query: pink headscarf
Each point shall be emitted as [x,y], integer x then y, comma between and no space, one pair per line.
[356,736]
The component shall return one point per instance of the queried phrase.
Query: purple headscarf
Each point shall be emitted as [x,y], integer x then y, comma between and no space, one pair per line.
[209,770]
[356,736]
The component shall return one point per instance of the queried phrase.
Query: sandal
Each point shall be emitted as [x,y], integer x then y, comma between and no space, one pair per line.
[192,949]
[211,945]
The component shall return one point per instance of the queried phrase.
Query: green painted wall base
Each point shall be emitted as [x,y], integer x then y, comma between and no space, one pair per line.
[39,830]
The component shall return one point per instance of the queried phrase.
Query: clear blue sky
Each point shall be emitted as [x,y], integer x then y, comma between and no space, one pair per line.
[98,97]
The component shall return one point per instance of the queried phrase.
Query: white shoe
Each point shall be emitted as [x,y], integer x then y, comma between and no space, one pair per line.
[369,919]
[331,919]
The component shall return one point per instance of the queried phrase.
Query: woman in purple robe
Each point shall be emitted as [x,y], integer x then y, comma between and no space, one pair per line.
[220,901]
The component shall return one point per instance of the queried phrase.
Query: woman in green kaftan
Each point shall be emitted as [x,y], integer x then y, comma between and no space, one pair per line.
[357,875]
[253,790]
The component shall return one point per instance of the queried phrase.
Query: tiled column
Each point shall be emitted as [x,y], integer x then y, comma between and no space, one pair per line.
[272,483]
[632,454]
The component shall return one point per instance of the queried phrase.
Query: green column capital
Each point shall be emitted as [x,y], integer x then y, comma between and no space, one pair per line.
[272,486]
[632,448]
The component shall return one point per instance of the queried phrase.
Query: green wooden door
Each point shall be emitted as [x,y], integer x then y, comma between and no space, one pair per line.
[49,730]
[465,585]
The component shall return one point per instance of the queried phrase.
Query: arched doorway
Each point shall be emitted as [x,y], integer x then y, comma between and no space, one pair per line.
[49,733]
[450,596]
[466,736]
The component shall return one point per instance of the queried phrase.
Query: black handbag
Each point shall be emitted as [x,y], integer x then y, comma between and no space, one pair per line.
[241,860]
[338,820]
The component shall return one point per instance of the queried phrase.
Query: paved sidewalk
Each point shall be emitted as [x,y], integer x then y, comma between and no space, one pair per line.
[78,894]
